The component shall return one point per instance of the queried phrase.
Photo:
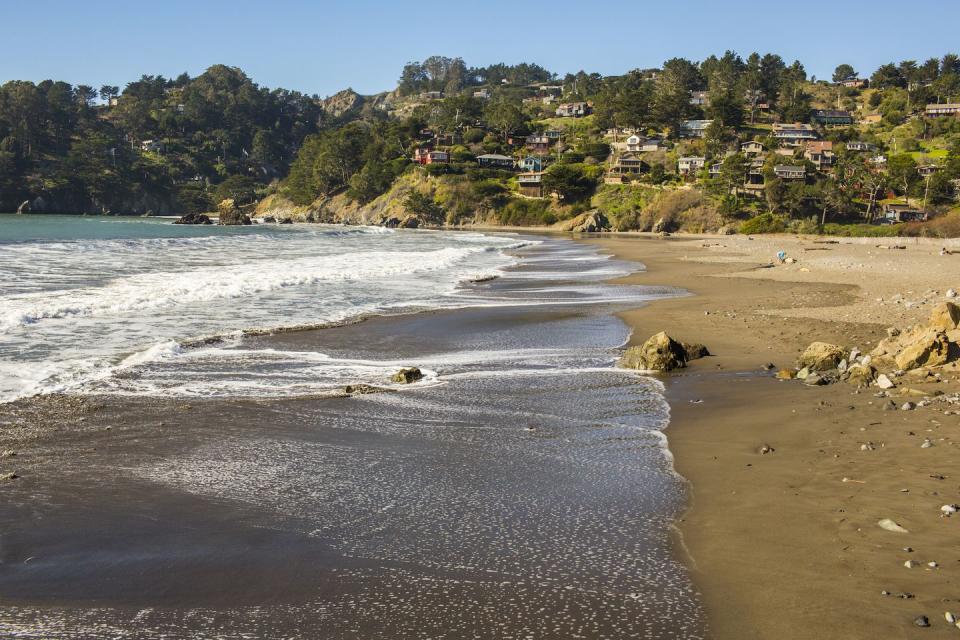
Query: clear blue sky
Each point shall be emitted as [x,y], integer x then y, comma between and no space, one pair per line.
[323,46]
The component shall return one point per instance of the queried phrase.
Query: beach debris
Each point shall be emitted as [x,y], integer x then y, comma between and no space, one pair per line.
[908,406]
[821,356]
[884,382]
[407,375]
[765,449]
[659,353]
[921,621]
[483,278]
[910,564]
[951,618]
[890,525]
[926,443]
[949,509]
[932,565]
[9,476]
[951,293]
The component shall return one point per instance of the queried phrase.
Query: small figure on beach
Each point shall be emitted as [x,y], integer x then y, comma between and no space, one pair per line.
[781,256]
[945,252]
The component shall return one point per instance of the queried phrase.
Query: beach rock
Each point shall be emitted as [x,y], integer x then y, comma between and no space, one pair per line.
[861,375]
[815,380]
[946,316]
[363,389]
[951,293]
[928,350]
[589,222]
[765,449]
[193,218]
[803,373]
[695,351]
[784,374]
[889,525]
[231,214]
[910,564]
[950,617]
[821,356]
[8,453]
[908,406]
[921,621]
[884,382]
[948,509]
[659,353]
[407,375]
[9,476]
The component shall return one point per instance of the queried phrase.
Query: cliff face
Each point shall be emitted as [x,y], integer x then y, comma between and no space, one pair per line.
[388,209]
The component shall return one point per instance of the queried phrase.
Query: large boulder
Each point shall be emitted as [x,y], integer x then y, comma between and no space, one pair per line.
[659,353]
[929,350]
[821,356]
[589,222]
[946,316]
[861,375]
[193,218]
[231,214]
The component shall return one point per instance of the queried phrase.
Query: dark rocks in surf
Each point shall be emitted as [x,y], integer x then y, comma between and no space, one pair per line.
[659,353]
[363,389]
[407,375]
[193,218]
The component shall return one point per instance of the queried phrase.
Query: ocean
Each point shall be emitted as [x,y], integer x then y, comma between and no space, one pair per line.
[522,489]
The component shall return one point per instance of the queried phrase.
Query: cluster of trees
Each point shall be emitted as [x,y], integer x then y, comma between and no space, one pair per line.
[451,75]
[736,86]
[62,150]
[937,79]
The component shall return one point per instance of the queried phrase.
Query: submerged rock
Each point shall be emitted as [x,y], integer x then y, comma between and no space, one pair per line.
[407,375]
[659,353]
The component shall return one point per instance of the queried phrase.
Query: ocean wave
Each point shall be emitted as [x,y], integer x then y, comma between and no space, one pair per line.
[170,289]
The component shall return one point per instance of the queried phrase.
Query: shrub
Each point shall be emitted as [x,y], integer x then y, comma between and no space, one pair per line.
[764,223]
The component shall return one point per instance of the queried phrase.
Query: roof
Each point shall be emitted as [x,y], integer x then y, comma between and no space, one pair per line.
[696,124]
[819,145]
[494,156]
[832,113]
[693,159]
[789,168]
[778,126]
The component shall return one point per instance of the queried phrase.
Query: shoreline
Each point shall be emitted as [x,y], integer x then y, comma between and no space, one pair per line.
[778,544]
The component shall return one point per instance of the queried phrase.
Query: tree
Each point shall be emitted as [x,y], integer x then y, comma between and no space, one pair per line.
[109,91]
[844,72]
[567,181]
[733,175]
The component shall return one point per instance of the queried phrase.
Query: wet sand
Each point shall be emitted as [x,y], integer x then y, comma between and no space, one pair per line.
[779,545]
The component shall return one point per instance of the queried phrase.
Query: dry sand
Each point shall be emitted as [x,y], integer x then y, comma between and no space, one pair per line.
[779,544]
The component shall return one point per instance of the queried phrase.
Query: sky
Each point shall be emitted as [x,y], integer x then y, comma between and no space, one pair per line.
[321,47]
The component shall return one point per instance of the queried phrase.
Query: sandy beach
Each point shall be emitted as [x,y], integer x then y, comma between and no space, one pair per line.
[786,544]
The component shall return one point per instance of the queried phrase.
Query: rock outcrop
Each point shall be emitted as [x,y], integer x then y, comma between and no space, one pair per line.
[659,353]
[589,222]
[928,350]
[821,356]
[231,214]
[193,218]
[945,316]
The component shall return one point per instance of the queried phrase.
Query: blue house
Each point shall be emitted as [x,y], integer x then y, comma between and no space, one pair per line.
[531,163]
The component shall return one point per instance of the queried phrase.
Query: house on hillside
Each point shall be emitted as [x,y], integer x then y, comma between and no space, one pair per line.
[652,144]
[752,149]
[154,146]
[573,110]
[715,169]
[426,155]
[538,143]
[627,163]
[700,98]
[431,95]
[790,172]
[635,143]
[553,134]
[482,94]
[820,153]
[927,170]
[861,146]
[755,178]
[832,118]
[495,161]
[794,134]
[689,165]
[694,128]
[531,164]
[893,213]
[549,100]
[855,83]
[942,110]
[530,184]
